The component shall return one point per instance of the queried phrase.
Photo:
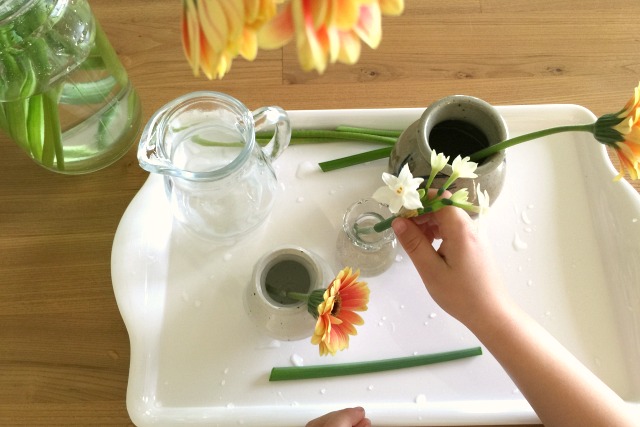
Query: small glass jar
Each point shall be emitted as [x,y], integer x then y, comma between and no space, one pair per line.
[359,246]
[65,98]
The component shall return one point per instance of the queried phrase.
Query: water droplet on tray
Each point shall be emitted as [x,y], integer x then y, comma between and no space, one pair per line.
[300,199]
[370,388]
[433,315]
[421,399]
[399,258]
[518,243]
[227,256]
[297,360]
[525,218]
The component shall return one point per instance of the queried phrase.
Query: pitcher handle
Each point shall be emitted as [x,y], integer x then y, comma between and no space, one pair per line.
[277,117]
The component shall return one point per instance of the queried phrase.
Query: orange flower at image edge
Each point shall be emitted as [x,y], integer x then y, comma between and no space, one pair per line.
[627,143]
[337,312]
[327,31]
[214,32]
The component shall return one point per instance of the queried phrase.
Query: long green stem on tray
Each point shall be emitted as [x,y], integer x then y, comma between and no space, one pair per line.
[355,159]
[335,135]
[342,133]
[486,152]
[323,371]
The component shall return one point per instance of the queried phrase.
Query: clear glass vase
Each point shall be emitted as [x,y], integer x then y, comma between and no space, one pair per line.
[359,246]
[65,98]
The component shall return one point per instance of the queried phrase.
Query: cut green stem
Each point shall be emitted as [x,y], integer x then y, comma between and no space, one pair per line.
[335,135]
[323,371]
[380,132]
[486,152]
[355,159]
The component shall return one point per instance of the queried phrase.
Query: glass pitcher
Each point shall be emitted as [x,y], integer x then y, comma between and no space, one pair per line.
[65,98]
[219,181]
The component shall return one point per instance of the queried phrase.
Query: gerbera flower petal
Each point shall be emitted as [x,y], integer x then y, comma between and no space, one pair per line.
[621,132]
[336,314]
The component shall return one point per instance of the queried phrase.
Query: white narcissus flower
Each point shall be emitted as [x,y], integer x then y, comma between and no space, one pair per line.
[483,201]
[463,168]
[438,162]
[461,198]
[400,191]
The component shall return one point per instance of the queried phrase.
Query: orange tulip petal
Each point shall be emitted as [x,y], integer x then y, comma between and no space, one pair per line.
[369,27]
[277,32]
[391,7]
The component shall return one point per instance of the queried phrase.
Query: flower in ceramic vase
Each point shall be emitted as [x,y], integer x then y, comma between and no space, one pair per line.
[336,313]
[214,32]
[335,310]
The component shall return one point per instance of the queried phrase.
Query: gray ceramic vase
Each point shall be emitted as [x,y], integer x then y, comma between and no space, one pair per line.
[457,124]
[289,268]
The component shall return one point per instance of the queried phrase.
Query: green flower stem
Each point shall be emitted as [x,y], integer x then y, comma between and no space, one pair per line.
[295,295]
[333,370]
[52,131]
[344,162]
[381,132]
[104,49]
[384,224]
[485,152]
[335,135]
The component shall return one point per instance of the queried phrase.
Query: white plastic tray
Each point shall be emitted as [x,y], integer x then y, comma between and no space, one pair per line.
[568,239]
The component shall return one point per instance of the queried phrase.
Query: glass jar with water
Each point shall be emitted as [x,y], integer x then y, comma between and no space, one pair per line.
[65,98]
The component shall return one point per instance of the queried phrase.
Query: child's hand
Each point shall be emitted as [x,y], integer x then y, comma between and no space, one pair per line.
[349,417]
[460,276]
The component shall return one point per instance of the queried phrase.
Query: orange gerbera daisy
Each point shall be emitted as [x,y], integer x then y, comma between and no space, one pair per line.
[621,131]
[337,312]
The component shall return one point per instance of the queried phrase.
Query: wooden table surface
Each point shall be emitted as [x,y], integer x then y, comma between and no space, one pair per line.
[64,349]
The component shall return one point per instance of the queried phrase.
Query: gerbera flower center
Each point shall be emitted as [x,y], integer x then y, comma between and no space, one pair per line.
[335,310]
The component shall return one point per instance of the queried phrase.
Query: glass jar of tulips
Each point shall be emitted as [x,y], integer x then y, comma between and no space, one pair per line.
[65,98]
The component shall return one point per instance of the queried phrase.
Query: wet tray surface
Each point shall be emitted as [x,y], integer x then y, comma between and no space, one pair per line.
[566,236]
